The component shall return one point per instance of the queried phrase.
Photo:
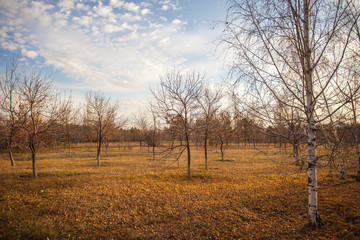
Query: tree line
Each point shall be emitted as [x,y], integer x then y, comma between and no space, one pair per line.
[185,111]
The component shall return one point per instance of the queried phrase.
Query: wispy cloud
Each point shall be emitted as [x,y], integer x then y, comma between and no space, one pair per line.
[110,46]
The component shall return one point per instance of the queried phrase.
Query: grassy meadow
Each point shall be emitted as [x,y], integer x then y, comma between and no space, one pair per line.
[250,195]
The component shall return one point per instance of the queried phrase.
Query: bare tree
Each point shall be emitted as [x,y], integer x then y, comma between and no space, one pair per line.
[141,121]
[43,108]
[223,130]
[67,121]
[10,104]
[354,13]
[101,116]
[289,46]
[177,97]
[209,102]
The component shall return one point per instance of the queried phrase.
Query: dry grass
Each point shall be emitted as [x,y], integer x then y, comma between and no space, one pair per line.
[249,196]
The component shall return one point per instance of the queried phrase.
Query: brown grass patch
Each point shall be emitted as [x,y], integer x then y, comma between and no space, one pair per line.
[250,196]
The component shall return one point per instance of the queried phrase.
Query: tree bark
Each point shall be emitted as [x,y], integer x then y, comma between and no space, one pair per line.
[358,156]
[222,149]
[11,157]
[98,152]
[188,156]
[10,149]
[33,158]
[314,216]
[205,149]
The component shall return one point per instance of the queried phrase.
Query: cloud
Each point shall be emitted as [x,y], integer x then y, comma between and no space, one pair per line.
[115,46]
[104,11]
[84,20]
[131,6]
[176,21]
[65,5]
[109,28]
[165,7]
[29,54]
[145,11]
[116,3]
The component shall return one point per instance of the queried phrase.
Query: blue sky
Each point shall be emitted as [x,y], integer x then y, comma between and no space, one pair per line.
[119,47]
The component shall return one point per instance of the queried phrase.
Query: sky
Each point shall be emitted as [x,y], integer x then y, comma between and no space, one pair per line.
[118,47]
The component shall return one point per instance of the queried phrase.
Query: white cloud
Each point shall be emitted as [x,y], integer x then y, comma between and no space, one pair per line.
[29,54]
[83,7]
[104,11]
[65,5]
[131,6]
[109,28]
[116,3]
[9,45]
[176,21]
[130,18]
[84,20]
[110,46]
[145,11]
[165,7]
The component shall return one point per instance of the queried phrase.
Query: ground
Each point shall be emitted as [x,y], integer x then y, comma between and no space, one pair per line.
[250,195]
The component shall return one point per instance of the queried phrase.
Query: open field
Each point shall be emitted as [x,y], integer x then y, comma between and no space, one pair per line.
[248,196]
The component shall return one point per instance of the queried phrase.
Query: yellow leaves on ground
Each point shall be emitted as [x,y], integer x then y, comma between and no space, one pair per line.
[132,197]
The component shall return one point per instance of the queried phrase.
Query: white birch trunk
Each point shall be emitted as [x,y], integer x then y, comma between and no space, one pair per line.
[314,216]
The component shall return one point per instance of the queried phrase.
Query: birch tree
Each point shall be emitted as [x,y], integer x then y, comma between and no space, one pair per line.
[289,46]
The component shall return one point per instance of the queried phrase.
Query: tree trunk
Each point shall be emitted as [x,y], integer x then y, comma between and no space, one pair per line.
[358,156]
[307,68]
[10,140]
[296,154]
[205,149]
[33,158]
[11,157]
[69,140]
[188,156]
[98,152]
[222,150]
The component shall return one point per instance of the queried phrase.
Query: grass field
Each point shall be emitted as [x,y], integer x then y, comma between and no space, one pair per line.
[249,196]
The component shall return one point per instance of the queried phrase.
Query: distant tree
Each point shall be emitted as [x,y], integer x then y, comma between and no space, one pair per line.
[101,117]
[177,97]
[68,125]
[142,122]
[354,76]
[209,102]
[154,131]
[43,109]
[223,130]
